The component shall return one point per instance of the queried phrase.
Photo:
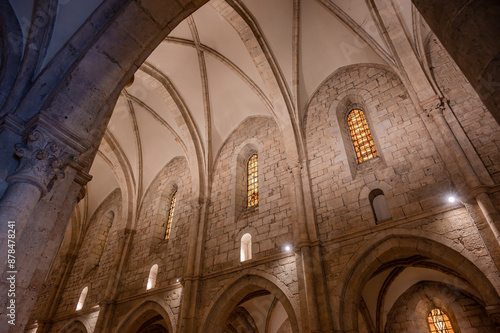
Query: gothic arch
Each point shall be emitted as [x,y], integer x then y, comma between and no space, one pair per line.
[77,326]
[145,311]
[402,244]
[227,299]
[164,189]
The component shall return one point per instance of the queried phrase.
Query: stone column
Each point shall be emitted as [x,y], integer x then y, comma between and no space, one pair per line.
[313,304]
[191,280]
[11,129]
[108,301]
[474,187]
[47,154]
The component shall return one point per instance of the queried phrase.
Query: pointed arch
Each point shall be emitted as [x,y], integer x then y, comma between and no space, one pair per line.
[228,299]
[145,311]
[78,325]
[402,244]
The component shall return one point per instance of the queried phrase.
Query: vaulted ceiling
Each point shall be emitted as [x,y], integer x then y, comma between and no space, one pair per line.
[226,62]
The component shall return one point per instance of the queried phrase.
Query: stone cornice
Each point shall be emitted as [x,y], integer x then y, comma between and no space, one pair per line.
[59,132]
[12,122]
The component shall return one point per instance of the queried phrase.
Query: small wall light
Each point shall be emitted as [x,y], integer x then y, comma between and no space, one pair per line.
[287,247]
[451,199]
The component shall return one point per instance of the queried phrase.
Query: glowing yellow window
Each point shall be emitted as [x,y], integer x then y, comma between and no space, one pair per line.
[439,322]
[253,182]
[361,136]
[170,216]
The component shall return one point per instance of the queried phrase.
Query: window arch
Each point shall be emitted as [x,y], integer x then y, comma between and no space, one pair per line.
[100,242]
[246,247]
[252,181]
[170,217]
[379,206]
[81,300]
[439,321]
[361,136]
[153,273]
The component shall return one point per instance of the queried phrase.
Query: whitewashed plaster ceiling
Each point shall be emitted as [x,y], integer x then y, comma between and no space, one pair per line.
[204,72]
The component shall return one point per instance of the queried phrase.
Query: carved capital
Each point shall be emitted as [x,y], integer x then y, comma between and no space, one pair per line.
[43,160]
[433,106]
[295,168]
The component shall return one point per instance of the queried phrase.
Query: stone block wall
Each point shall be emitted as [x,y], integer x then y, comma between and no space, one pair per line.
[149,246]
[96,279]
[409,313]
[409,169]
[270,222]
[478,124]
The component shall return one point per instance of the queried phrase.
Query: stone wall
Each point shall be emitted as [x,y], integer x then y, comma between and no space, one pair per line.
[408,170]
[97,277]
[478,124]
[409,313]
[270,222]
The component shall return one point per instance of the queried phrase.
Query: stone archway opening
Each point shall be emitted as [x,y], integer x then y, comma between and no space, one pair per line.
[252,304]
[149,317]
[150,321]
[385,278]
[156,324]
[257,312]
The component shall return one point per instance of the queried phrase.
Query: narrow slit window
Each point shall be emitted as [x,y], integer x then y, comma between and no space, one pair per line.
[170,216]
[361,136]
[246,247]
[153,273]
[253,182]
[379,206]
[439,322]
[81,300]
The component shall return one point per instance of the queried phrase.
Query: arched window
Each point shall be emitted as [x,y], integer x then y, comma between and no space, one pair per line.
[246,247]
[439,321]
[152,277]
[170,215]
[361,136]
[81,300]
[252,182]
[379,206]
[99,242]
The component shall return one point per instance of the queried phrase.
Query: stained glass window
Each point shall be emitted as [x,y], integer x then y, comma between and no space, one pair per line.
[439,322]
[170,216]
[253,182]
[361,136]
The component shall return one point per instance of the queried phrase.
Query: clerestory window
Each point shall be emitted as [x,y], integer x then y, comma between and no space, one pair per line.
[361,136]
[252,182]
[170,215]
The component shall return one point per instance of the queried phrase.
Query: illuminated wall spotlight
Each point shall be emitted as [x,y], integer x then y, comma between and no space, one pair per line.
[287,247]
[451,198]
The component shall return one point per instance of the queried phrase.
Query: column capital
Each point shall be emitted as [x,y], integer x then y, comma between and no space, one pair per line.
[45,151]
[433,105]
